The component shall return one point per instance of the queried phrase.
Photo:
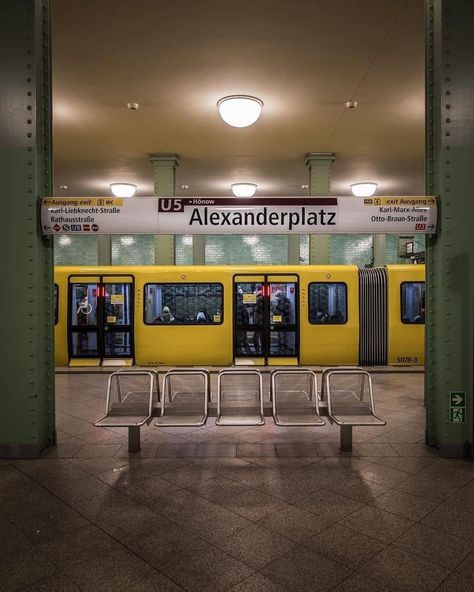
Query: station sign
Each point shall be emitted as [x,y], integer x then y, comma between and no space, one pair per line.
[227,215]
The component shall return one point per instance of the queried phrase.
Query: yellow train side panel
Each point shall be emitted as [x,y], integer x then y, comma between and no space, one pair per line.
[406,343]
[327,345]
[187,345]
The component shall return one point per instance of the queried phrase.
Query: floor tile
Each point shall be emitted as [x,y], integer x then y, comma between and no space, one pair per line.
[344,545]
[359,583]
[329,506]
[188,475]
[434,546]
[207,570]
[56,583]
[27,568]
[382,475]
[249,450]
[452,521]
[294,523]
[455,583]
[303,571]
[219,490]
[258,583]
[176,450]
[255,546]
[213,450]
[403,572]
[377,524]
[296,449]
[286,489]
[254,505]
[404,505]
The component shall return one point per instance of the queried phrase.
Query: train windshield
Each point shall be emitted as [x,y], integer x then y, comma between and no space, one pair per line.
[413,303]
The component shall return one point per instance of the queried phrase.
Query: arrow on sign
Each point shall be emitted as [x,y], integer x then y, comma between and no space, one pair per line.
[431,226]
[457,399]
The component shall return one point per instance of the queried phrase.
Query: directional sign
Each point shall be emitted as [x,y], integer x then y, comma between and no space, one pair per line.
[230,215]
[457,406]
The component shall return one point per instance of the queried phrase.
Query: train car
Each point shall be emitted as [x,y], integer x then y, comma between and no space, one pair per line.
[221,316]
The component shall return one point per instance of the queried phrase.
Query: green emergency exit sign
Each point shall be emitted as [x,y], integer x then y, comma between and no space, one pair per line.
[457,407]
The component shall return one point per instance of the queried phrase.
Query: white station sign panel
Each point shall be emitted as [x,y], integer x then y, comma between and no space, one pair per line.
[227,215]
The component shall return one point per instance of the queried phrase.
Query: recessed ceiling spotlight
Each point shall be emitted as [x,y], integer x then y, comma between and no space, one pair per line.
[240,110]
[64,240]
[123,189]
[243,189]
[133,106]
[127,240]
[351,104]
[304,186]
[364,189]
[184,186]
[63,187]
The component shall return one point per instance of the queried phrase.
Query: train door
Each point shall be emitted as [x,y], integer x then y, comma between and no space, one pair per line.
[100,321]
[266,325]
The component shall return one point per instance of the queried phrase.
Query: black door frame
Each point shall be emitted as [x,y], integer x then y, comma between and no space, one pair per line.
[266,327]
[99,328]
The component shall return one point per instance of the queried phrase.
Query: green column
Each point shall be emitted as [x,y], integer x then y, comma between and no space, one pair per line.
[164,168]
[104,246]
[26,301]
[319,166]
[379,249]
[199,249]
[450,254]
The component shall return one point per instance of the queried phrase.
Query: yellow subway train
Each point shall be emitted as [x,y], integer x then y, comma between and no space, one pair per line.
[219,316]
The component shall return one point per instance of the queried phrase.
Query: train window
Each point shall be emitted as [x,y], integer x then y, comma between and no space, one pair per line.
[327,303]
[183,304]
[56,304]
[413,303]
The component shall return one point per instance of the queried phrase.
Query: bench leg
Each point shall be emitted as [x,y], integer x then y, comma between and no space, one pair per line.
[134,439]
[346,438]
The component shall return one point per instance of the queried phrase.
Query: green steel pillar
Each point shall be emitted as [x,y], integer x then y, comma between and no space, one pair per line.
[450,254]
[26,301]
[199,249]
[319,165]
[104,246]
[379,249]
[164,167]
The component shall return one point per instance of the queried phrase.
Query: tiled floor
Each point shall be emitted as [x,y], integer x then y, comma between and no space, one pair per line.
[262,509]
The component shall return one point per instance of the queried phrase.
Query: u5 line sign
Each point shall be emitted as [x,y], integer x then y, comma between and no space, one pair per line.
[227,215]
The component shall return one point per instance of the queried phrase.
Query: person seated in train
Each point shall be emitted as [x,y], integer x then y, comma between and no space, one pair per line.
[165,316]
[281,308]
[320,316]
[202,316]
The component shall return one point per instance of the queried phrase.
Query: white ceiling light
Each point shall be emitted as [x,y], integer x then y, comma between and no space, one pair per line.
[240,110]
[64,240]
[251,240]
[127,240]
[363,189]
[123,189]
[187,240]
[243,189]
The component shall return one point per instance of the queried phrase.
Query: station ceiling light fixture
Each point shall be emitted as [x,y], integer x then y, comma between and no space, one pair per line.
[123,189]
[364,189]
[127,241]
[240,110]
[64,240]
[243,189]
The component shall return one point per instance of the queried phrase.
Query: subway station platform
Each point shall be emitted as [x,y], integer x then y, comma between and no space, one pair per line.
[242,509]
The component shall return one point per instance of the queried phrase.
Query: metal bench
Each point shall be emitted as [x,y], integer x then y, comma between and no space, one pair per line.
[295,397]
[350,401]
[186,392]
[239,397]
[132,396]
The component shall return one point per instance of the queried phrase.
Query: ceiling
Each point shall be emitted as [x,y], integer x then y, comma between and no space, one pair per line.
[176,58]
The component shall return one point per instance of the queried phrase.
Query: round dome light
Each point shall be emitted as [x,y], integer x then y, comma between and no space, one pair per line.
[363,189]
[64,240]
[243,189]
[123,189]
[240,110]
